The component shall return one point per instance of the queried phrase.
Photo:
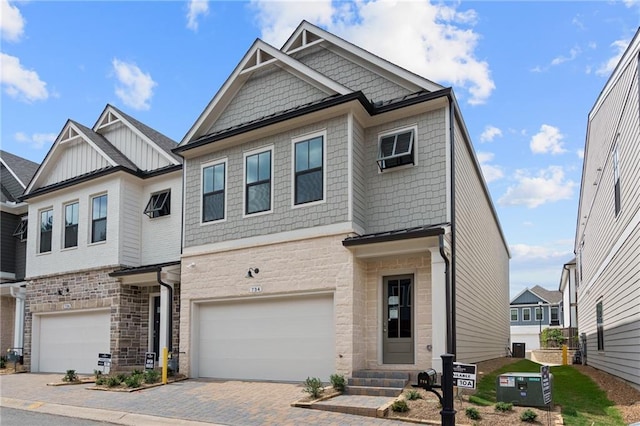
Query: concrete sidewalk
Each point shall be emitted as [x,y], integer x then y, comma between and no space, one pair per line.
[188,403]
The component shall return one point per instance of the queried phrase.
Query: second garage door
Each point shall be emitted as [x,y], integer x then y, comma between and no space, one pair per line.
[286,339]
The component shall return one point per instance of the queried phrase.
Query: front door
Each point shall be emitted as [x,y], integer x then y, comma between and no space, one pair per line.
[397,324]
[156,326]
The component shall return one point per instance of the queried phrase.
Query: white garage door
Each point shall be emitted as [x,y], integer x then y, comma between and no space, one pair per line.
[72,341]
[286,339]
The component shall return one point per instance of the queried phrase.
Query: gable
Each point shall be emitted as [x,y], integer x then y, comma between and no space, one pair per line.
[526,298]
[11,188]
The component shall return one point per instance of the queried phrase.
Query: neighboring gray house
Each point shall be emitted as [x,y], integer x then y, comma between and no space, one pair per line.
[103,253]
[531,311]
[333,202]
[15,174]
[607,243]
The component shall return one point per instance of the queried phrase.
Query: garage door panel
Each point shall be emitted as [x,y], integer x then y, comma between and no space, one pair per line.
[269,339]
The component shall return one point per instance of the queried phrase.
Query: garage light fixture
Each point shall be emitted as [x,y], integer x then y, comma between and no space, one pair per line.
[252,271]
[62,291]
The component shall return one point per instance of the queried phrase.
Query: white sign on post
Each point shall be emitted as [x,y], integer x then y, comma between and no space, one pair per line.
[464,375]
[546,384]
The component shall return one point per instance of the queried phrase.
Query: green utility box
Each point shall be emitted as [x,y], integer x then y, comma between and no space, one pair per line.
[524,389]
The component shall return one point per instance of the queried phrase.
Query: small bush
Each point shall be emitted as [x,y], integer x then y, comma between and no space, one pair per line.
[313,386]
[97,374]
[412,395]
[472,413]
[113,381]
[101,380]
[338,382]
[122,377]
[136,372]
[151,376]
[504,406]
[479,401]
[528,416]
[400,406]
[133,381]
[70,376]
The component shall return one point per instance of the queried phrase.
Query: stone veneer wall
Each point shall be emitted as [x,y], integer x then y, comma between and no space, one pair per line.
[7,322]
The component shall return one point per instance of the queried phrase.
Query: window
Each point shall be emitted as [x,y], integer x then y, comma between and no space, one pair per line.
[258,182]
[514,314]
[538,314]
[396,149]
[159,204]
[526,314]
[71,225]
[46,226]
[600,326]
[309,170]
[616,178]
[99,219]
[554,314]
[21,230]
[213,192]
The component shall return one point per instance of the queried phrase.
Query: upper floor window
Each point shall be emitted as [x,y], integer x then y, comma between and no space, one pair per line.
[213,192]
[600,326]
[526,314]
[71,225]
[616,178]
[159,204]
[514,314]
[396,149]
[99,219]
[258,182]
[539,314]
[554,314]
[46,227]
[21,230]
[309,170]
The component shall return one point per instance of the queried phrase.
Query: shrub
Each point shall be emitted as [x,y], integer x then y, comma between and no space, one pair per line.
[313,386]
[151,376]
[472,413]
[97,374]
[553,336]
[412,395]
[70,376]
[528,416]
[113,381]
[136,372]
[122,377]
[400,406]
[3,362]
[133,381]
[504,406]
[101,380]
[338,382]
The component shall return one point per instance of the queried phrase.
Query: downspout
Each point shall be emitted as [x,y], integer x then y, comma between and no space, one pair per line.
[447,276]
[170,310]
[452,348]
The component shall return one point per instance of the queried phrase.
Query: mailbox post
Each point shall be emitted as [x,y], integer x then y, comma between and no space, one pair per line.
[428,381]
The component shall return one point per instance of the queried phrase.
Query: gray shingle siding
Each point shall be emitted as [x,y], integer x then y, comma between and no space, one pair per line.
[359,176]
[349,74]
[284,217]
[413,196]
[266,92]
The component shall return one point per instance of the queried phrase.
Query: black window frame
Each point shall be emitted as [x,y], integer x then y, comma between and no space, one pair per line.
[21,230]
[390,159]
[71,227]
[46,235]
[248,201]
[301,172]
[99,220]
[159,204]
[211,195]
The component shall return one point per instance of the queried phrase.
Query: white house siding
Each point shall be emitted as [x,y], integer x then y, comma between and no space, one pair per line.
[136,149]
[75,160]
[86,255]
[482,264]
[130,221]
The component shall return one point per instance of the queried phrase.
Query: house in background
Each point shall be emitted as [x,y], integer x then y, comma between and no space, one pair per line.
[103,254]
[15,174]
[569,307]
[607,243]
[531,311]
[334,212]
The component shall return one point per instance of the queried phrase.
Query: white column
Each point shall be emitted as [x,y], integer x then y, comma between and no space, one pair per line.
[19,293]
[164,319]
[438,309]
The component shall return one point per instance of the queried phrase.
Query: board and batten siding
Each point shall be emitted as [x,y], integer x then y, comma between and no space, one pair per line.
[130,214]
[135,148]
[75,160]
[482,264]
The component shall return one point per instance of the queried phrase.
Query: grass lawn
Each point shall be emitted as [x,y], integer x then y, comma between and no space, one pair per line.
[582,401]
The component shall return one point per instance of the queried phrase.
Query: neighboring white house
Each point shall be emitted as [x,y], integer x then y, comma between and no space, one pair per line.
[607,243]
[569,307]
[530,312]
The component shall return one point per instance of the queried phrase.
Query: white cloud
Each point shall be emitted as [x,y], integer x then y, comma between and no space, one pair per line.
[490,133]
[547,140]
[37,140]
[605,69]
[196,8]
[11,21]
[136,87]
[573,53]
[20,83]
[580,153]
[548,186]
[432,40]
[489,171]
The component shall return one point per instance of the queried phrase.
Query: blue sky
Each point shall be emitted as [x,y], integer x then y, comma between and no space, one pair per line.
[525,74]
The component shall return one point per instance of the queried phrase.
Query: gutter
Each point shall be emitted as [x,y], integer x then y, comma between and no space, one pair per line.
[452,344]
[170,310]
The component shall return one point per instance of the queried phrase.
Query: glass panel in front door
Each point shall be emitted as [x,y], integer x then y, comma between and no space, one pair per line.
[398,320]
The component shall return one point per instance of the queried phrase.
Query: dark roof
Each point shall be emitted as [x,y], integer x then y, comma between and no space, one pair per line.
[106,146]
[135,270]
[399,234]
[23,168]
[167,144]
[551,296]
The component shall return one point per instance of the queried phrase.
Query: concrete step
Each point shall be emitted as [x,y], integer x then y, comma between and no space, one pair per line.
[370,406]
[373,391]
[378,374]
[377,382]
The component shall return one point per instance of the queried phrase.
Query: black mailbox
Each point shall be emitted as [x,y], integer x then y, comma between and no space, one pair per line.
[427,379]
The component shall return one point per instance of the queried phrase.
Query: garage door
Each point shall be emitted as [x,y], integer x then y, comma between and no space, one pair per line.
[72,341]
[286,339]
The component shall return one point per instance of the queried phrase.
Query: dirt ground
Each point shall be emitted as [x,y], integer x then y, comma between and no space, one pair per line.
[625,397]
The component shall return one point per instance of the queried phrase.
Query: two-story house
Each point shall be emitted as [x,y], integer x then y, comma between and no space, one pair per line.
[607,243]
[335,219]
[531,311]
[103,254]
[15,174]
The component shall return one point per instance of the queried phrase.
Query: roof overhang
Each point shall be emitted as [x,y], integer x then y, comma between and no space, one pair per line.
[395,243]
[147,275]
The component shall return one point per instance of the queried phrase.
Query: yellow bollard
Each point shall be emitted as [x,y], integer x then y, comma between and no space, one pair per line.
[165,364]
[564,355]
